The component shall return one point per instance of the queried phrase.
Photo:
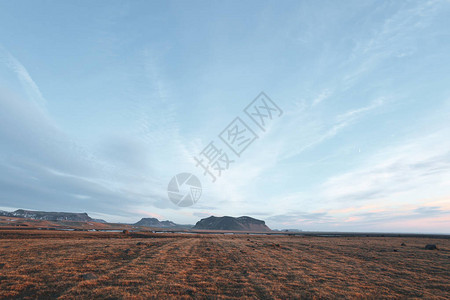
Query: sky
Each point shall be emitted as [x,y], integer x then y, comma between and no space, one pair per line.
[103,102]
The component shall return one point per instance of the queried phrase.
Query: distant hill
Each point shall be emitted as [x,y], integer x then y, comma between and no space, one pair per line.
[84,217]
[154,222]
[48,216]
[99,221]
[231,223]
[211,223]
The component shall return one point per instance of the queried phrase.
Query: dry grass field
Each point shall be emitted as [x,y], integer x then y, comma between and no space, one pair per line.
[69,265]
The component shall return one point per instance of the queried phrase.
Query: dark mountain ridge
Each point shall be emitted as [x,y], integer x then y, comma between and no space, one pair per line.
[230,223]
[154,222]
[212,223]
[83,217]
[48,216]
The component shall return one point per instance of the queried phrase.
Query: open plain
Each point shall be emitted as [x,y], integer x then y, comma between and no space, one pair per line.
[113,265]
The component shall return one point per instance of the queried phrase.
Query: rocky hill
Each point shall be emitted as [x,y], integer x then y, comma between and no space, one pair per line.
[154,222]
[48,216]
[231,223]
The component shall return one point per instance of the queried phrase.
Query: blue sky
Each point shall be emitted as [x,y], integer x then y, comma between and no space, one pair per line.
[102,103]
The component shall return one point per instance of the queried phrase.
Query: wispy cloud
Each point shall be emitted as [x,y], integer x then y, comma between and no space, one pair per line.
[33,92]
[43,168]
[351,115]
[419,164]
[408,218]
[295,143]
[359,139]
[321,97]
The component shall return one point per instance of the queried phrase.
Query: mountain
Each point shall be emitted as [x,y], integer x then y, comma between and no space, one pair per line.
[231,223]
[99,221]
[153,222]
[84,217]
[49,216]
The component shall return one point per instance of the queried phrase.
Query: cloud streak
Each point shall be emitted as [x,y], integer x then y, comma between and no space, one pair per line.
[28,83]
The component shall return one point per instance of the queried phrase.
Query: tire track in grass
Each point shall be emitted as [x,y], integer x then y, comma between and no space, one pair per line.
[115,274]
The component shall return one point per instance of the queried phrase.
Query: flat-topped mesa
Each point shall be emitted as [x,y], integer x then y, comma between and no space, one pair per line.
[233,224]
[50,216]
[154,222]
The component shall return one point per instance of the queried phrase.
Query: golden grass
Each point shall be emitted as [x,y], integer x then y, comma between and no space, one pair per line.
[37,264]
